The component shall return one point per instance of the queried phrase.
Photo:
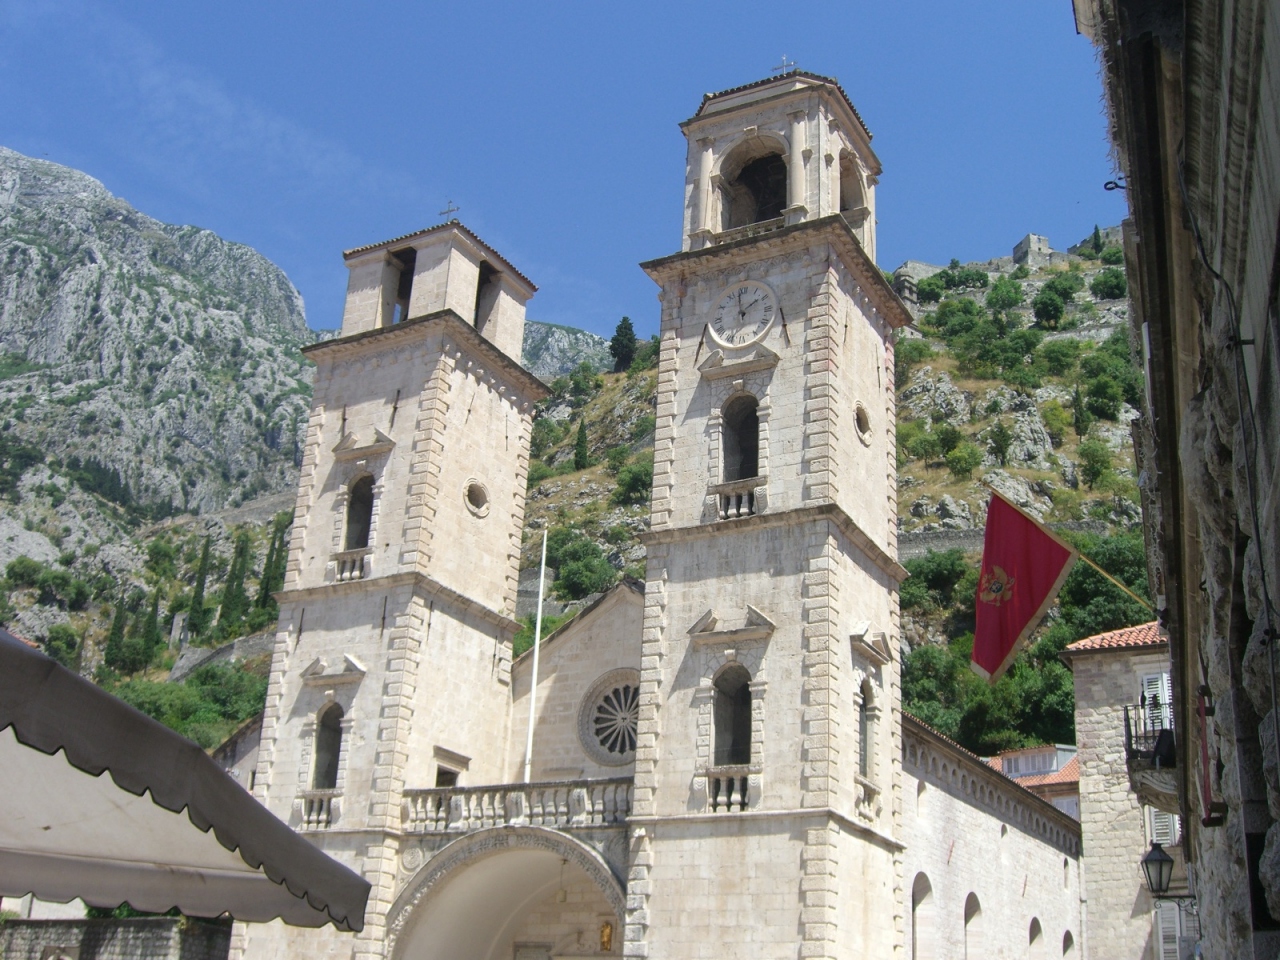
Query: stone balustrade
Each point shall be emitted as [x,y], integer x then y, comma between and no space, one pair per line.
[352,564]
[737,498]
[318,809]
[570,803]
[750,230]
[732,789]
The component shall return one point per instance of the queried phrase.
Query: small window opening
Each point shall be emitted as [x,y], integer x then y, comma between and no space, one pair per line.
[1034,932]
[446,777]
[973,945]
[758,192]
[477,497]
[922,919]
[740,423]
[864,731]
[733,717]
[359,513]
[487,290]
[850,187]
[328,748]
[404,289]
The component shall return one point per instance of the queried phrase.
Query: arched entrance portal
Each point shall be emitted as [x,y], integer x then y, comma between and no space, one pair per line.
[492,891]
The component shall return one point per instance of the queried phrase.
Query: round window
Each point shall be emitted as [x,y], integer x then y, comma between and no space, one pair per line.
[608,717]
[862,422]
[477,498]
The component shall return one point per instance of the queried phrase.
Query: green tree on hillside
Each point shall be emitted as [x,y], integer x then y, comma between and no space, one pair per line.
[581,452]
[1048,308]
[1110,284]
[1095,461]
[623,345]
[963,460]
[198,618]
[1097,240]
[63,645]
[235,601]
[1004,295]
[999,439]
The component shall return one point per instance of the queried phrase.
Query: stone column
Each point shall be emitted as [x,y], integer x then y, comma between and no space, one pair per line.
[702,226]
[796,209]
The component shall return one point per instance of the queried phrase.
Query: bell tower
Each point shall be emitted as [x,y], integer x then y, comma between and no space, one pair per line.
[391,666]
[768,742]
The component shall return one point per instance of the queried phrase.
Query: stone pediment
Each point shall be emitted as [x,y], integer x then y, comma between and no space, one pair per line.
[317,673]
[756,627]
[756,357]
[871,646]
[350,447]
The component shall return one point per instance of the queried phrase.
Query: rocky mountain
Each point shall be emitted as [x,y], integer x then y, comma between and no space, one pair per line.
[161,360]
[551,350]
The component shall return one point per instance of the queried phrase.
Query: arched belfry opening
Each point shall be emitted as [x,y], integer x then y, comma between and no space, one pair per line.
[853,199]
[486,295]
[328,748]
[740,429]
[359,513]
[733,716]
[406,261]
[754,184]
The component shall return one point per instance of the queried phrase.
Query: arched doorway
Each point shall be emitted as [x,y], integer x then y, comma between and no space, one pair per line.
[493,891]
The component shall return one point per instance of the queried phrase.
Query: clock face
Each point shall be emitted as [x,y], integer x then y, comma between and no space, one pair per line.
[744,313]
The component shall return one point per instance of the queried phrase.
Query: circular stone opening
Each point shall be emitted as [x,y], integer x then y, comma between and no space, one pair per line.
[477,498]
[608,718]
[863,422]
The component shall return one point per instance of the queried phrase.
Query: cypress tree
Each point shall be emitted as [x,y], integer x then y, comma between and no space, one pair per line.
[151,637]
[235,602]
[1097,239]
[115,655]
[1081,418]
[197,620]
[268,573]
[623,345]
[581,452]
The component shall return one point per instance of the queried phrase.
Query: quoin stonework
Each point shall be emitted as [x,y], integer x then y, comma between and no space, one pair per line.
[721,766]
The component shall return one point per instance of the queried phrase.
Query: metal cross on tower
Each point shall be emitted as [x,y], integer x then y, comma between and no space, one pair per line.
[449,209]
[784,66]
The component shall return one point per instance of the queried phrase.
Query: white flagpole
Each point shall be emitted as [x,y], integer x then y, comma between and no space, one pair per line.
[537,642]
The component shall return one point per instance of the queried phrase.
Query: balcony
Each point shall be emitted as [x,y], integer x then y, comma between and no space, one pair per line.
[318,809]
[738,498]
[1151,753]
[560,805]
[750,230]
[352,564]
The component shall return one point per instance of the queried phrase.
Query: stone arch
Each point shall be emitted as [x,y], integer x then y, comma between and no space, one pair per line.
[732,716]
[740,437]
[328,747]
[500,873]
[1068,945]
[924,921]
[752,176]
[1035,939]
[974,944]
[359,513]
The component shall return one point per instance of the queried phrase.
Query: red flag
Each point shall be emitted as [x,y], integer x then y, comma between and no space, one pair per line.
[1023,567]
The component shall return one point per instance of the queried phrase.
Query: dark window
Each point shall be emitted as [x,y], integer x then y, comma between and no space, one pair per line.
[446,777]
[741,429]
[733,717]
[486,295]
[359,513]
[864,734]
[758,192]
[404,289]
[328,748]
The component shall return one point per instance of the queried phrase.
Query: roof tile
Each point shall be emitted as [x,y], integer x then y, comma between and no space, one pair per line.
[1143,635]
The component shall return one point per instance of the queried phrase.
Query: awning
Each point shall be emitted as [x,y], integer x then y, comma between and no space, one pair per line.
[67,830]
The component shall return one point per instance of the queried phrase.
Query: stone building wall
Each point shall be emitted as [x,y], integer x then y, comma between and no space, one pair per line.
[971,832]
[142,938]
[1113,822]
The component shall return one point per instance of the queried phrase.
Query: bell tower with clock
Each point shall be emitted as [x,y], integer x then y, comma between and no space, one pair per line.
[766,781]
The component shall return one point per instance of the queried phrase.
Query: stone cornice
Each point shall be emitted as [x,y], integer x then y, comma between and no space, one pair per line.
[823,511]
[847,822]
[832,228]
[975,767]
[417,327]
[420,582]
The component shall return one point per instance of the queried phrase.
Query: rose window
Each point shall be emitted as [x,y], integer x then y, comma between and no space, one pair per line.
[608,718]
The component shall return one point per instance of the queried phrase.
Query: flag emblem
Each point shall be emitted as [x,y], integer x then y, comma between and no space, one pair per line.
[996,586]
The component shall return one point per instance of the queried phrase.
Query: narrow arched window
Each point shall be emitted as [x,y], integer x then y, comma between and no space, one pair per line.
[1068,945]
[486,295]
[866,728]
[328,748]
[359,513]
[1035,938]
[757,192]
[733,717]
[740,428]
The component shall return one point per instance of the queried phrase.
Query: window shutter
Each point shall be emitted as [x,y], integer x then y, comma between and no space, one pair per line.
[1166,924]
[1163,828]
[1156,688]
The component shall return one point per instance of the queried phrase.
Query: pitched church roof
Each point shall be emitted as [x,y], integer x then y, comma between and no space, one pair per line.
[805,74]
[1126,638]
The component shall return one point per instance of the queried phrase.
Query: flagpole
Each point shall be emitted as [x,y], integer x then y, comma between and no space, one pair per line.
[1137,599]
[537,643]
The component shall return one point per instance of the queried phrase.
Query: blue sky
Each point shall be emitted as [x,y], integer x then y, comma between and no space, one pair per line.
[304,129]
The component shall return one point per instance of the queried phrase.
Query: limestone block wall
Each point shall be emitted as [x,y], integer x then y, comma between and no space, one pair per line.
[1112,820]
[143,938]
[595,644]
[970,831]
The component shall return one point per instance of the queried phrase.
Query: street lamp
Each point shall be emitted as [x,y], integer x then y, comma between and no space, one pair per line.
[1157,867]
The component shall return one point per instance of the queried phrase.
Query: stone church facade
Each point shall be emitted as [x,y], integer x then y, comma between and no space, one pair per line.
[720,764]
